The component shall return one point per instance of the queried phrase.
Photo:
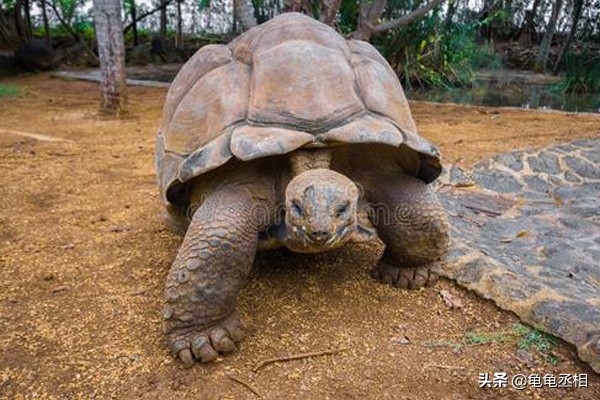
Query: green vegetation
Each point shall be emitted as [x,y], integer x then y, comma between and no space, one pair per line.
[429,43]
[9,90]
[582,74]
[485,338]
[431,52]
[524,337]
[543,343]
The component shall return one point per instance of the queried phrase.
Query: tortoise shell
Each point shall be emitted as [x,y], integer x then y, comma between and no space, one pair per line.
[291,82]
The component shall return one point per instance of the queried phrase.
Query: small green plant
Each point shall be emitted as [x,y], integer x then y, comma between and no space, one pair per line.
[523,336]
[9,90]
[543,343]
[484,338]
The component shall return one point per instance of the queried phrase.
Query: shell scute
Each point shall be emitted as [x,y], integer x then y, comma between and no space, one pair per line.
[202,62]
[286,91]
[218,100]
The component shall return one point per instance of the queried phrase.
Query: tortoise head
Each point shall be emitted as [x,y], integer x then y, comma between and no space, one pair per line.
[320,210]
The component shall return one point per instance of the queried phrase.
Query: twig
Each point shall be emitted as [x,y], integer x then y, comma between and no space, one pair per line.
[296,357]
[37,136]
[441,366]
[246,384]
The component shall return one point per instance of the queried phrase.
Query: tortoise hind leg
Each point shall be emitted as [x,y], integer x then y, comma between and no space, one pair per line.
[412,224]
[217,253]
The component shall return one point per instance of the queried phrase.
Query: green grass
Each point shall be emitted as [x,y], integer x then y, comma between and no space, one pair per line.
[9,90]
[524,337]
[582,74]
[484,338]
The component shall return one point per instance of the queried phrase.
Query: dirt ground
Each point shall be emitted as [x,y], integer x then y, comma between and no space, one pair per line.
[84,254]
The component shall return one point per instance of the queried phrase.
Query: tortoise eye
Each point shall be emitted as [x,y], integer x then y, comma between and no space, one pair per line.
[342,210]
[296,209]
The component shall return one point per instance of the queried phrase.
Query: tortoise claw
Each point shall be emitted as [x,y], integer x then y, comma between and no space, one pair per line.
[205,344]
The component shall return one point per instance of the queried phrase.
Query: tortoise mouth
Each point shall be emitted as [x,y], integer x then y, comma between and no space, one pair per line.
[324,241]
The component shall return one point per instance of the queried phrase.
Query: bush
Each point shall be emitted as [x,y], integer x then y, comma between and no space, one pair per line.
[437,52]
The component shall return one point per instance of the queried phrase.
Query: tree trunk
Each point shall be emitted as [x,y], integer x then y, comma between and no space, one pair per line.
[329,10]
[577,6]
[134,30]
[28,25]
[368,16]
[45,20]
[450,13]
[163,22]
[542,58]
[19,22]
[524,34]
[179,34]
[111,51]
[8,33]
[244,12]
[301,6]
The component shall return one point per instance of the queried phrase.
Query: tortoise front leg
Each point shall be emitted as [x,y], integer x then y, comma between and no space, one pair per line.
[217,253]
[412,223]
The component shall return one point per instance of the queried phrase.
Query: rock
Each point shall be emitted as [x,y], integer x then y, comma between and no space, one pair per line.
[35,55]
[544,162]
[538,257]
[451,301]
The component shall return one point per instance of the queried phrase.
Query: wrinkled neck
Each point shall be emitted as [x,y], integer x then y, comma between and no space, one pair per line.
[307,159]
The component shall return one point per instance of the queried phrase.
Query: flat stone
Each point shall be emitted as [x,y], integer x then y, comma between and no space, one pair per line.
[544,162]
[583,168]
[592,155]
[538,251]
[498,181]
[537,184]
[571,177]
[511,160]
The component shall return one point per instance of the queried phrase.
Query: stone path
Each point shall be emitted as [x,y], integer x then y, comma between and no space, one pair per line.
[526,233]
[148,75]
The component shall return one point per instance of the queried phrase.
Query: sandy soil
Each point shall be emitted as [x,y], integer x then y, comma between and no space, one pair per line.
[83,257]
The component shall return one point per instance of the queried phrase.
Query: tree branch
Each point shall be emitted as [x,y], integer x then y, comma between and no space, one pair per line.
[408,18]
[146,14]
[64,23]
[72,32]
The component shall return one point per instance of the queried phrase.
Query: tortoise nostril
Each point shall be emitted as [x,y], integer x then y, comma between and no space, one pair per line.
[319,236]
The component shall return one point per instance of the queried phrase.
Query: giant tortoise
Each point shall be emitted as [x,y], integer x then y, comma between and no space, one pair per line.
[289,136]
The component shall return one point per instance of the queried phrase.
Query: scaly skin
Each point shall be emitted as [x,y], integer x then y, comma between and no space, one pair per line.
[412,224]
[201,318]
